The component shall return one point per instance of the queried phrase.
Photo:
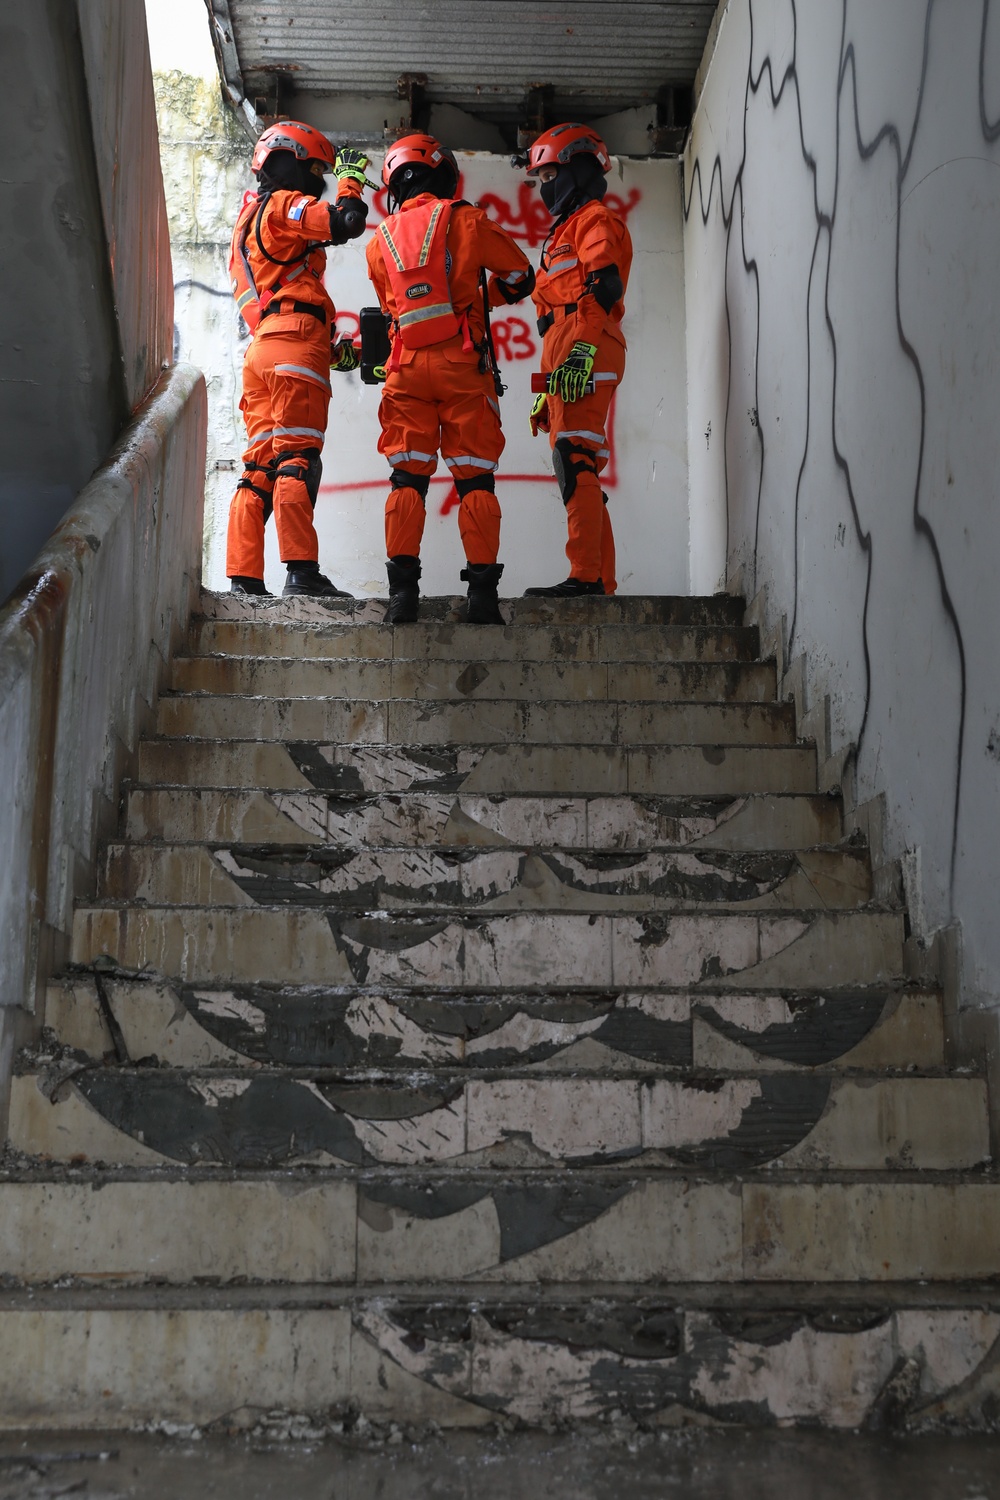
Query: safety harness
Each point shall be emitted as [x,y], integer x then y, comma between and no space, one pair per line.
[254,305]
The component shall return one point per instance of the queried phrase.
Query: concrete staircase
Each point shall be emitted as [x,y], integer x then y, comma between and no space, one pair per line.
[481,1022]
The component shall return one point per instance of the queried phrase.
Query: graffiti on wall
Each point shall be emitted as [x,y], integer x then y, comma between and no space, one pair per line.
[917,612]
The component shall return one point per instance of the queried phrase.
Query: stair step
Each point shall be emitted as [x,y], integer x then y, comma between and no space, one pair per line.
[663,1354]
[632,609]
[198,815]
[182,1026]
[528,1229]
[483,722]
[457,681]
[339,877]
[490,1020]
[734,1123]
[705,643]
[411,819]
[556,770]
[292,945]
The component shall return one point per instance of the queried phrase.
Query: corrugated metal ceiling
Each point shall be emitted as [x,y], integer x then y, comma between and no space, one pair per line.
[481,55]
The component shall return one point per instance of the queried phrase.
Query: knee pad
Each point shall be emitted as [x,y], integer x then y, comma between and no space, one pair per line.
[402,479]
[306,465]
[569,461]
[478,482]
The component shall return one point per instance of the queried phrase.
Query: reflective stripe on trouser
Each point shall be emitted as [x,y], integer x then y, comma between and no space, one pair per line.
[590,545]
[431,403]
[285,411]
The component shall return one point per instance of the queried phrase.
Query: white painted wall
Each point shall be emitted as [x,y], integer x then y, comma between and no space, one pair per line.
[843,329]
[206,173]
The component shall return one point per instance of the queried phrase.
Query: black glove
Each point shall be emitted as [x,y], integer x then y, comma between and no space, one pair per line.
[517,286]
[347,220]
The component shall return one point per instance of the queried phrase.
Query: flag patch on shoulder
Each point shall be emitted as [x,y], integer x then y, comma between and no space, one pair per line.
[298,209]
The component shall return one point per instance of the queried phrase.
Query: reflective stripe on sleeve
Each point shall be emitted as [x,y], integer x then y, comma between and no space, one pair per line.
[593,437]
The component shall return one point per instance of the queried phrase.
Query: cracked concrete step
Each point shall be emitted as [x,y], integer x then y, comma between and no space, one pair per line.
[683,771]
[439,1230]
[883,1027]
[465,1363]
[426,681]
[292,945]
[632,609]
[661,1354]
[196,815]
[717,1122]
[484,721]
[477,643]
[340,877]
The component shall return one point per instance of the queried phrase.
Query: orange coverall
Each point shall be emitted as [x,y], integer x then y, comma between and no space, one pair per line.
[286,387]
[438,398]
[591,238]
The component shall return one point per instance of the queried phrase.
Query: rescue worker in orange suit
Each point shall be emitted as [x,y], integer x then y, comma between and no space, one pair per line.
[579,298]
[277,260]
[426,262]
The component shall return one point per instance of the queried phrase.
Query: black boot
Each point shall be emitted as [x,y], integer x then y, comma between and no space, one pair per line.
[404,590]
[482,578]
[241,585]
[305,578]
[570,588]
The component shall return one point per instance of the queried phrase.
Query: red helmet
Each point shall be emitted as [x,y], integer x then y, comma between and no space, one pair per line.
[418,150]
[303,141]
[554,147]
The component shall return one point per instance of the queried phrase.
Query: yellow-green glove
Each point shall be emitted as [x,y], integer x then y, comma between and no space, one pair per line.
[538,417]
[570,379]
[344,357]
[353,164]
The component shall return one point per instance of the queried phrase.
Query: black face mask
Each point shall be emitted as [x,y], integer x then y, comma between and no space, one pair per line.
[558,193]
[576,182]
[283,170]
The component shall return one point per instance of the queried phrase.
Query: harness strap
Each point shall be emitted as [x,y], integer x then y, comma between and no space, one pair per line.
[546,321]
[255,489]
[277,305]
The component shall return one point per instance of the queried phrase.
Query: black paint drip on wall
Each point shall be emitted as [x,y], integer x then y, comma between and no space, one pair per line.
[825,224]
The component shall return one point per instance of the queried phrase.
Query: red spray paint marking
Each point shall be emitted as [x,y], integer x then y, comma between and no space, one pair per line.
[609,477]
[530,221]
[526,218]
